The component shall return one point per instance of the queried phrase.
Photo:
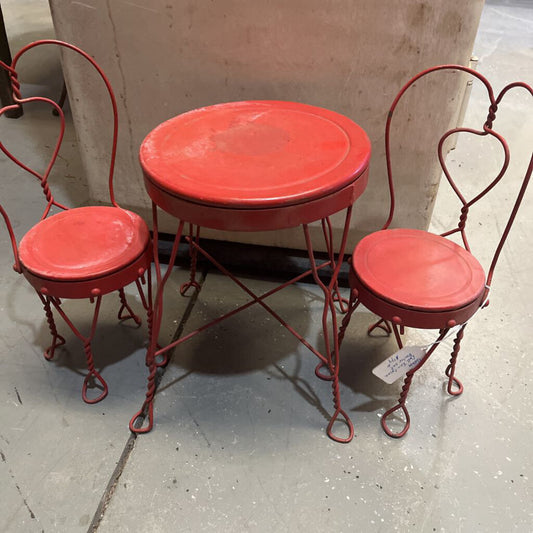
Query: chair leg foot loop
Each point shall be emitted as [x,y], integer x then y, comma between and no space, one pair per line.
[143,420]
[386,428]
[58,340]
[184,289]
[89,379]
[453,381]
[346,420]
[320,372]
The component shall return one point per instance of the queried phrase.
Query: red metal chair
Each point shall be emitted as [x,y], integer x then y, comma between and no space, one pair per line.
[414,278]
[84,252]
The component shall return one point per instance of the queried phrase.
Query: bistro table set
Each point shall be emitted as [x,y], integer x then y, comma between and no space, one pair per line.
[254,166]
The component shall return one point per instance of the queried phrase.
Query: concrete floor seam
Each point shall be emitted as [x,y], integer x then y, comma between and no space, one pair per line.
[111,486]
[130,444]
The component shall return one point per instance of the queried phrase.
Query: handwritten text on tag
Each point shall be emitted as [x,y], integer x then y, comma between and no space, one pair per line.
[399,363]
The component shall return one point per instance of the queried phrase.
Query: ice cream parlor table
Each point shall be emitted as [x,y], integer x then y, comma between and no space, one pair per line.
[255,166]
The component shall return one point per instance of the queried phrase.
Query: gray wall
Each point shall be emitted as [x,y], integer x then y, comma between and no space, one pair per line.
[165,57]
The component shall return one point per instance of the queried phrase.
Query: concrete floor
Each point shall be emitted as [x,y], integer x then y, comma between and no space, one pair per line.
[239,442]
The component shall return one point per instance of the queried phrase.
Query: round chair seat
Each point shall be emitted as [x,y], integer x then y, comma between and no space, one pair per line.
[417,270]
[84,243]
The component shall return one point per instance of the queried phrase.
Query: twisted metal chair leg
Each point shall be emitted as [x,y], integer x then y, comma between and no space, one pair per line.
[125,307]
[405,391]
[92,377]
[381,324]
[399,405]
[450,370]
[57,340]
[93,374]
[398,332]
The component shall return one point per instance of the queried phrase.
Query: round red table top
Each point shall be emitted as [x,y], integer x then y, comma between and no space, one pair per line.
[255,154]
[418,270]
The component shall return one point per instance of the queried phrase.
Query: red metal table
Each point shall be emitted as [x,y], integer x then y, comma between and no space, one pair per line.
[256,166]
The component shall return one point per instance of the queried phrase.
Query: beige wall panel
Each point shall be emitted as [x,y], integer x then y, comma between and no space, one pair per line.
[165,57]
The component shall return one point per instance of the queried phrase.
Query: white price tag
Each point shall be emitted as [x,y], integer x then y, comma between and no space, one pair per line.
[399,363]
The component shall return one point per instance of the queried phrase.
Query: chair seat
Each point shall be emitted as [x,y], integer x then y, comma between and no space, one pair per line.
[84,243]
[417,270]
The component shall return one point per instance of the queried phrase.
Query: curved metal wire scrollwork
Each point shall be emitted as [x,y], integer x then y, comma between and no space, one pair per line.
[93,378]
[454,386]
[43,176]
[487,130]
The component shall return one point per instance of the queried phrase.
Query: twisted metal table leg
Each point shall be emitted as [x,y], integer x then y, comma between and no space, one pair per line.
[331,348]
[143,420]
[353,303]
[327,231]
[193,254]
